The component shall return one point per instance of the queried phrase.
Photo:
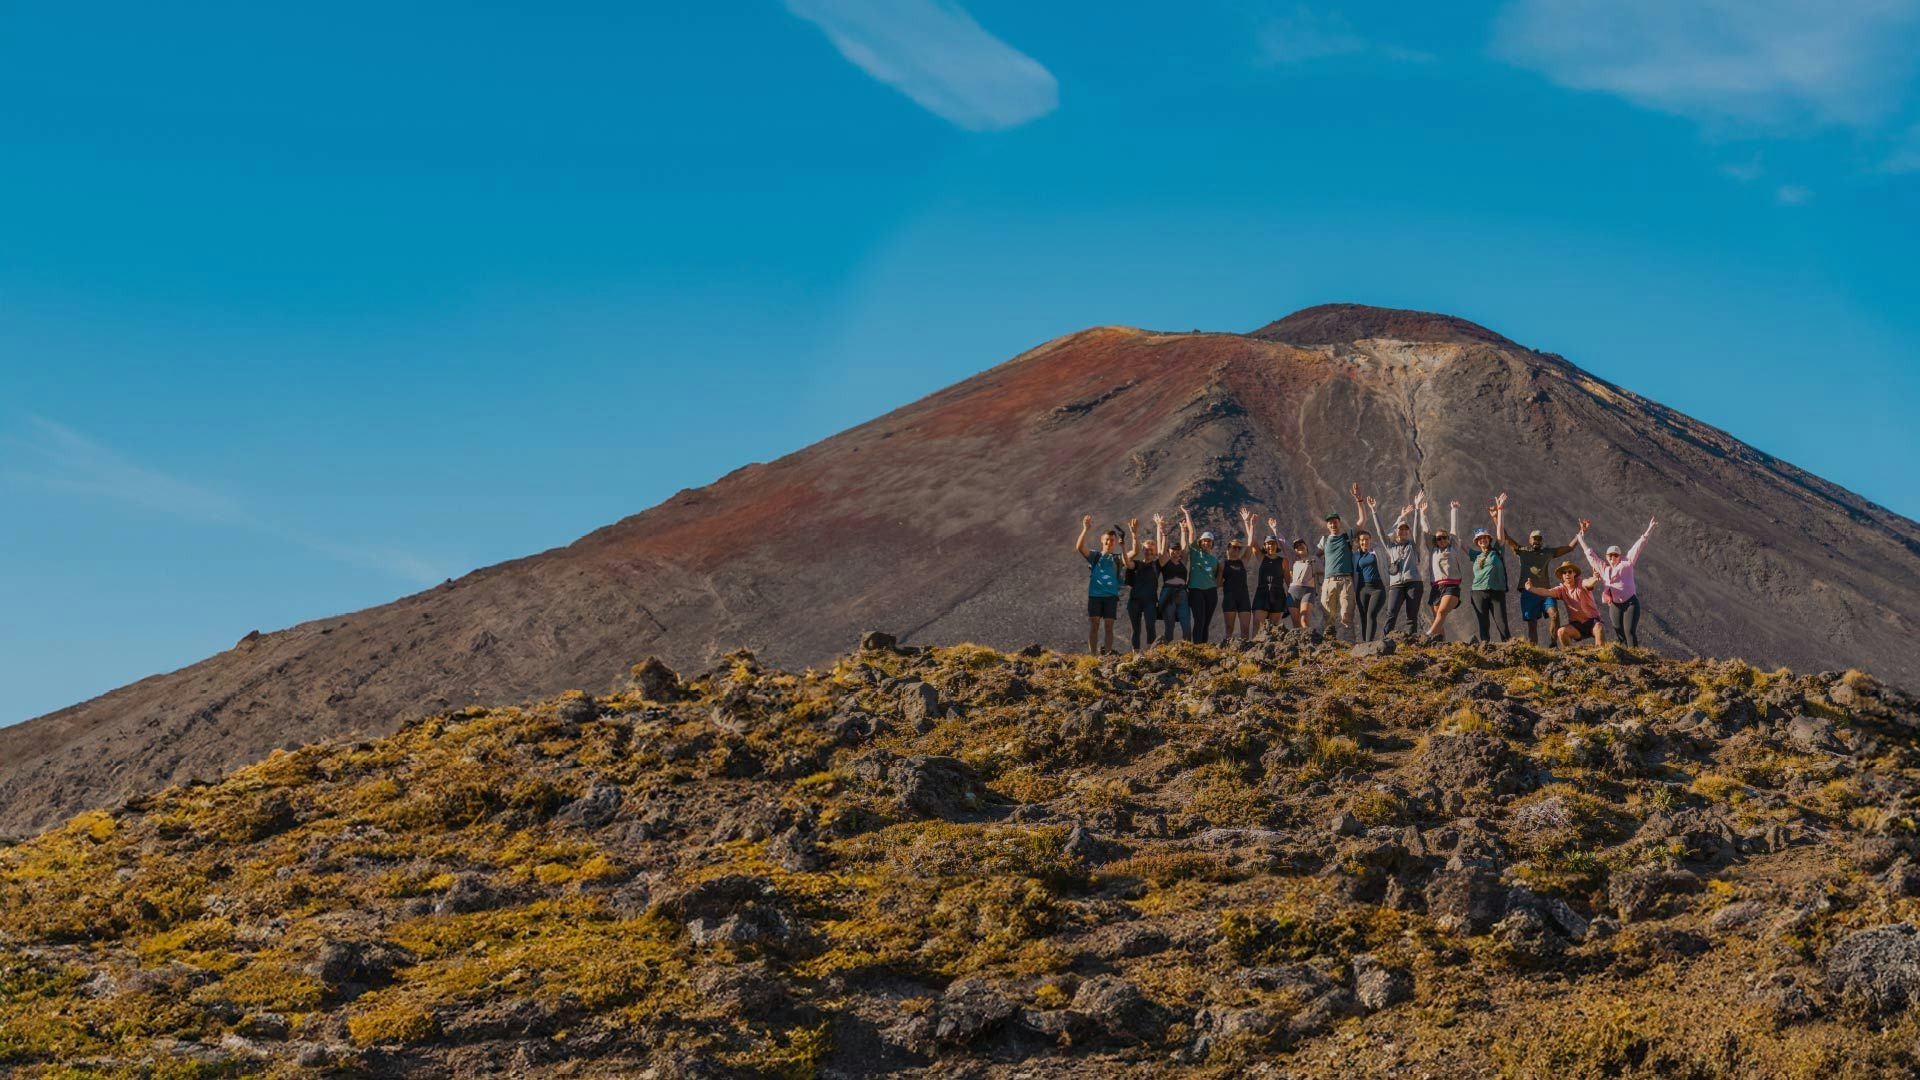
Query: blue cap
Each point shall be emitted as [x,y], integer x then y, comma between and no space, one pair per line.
[1478,533]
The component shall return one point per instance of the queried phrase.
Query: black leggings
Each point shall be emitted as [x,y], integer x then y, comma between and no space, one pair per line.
[1369,599]
[1626,620]
[1405,595]
[1204,602]
[1142,609]
[1488,603]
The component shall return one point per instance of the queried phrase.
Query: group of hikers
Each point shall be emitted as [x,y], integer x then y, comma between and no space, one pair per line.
[1182,583]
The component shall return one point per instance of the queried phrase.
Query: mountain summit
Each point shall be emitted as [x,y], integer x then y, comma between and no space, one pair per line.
[949,520]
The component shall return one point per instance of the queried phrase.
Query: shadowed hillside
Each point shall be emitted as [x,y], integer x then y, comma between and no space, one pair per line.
[949,519]
[1447,861]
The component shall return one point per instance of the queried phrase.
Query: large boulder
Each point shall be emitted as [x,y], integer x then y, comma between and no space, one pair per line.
[1466,899]
[1118,1011]
[1474,761]
[735,909]
[654,680]
[1648,891]
[923,785]
[1876,971]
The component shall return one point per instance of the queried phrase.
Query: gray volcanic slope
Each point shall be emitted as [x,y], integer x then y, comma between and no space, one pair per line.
[951,518]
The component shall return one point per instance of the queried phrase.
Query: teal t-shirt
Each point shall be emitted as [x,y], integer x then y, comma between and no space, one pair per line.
[1103,574]
[1490,571]
[1201,567]
[1338,548]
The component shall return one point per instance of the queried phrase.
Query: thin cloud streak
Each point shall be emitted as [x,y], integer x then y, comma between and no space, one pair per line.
[1303,34]
[936,54]
[64,460]
[1764,65]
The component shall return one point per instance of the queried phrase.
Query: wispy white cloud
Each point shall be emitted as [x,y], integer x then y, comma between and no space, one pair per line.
[1792,195]
[1746,65]
[59,458]
[935,53]
[1302,34]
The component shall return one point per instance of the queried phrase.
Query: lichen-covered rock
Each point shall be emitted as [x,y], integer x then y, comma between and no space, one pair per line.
[654,680]
[1648,891]
[1876,971]
[919,705]
[1119,1011]
[596,809]
[1466,900]
[1378,986]
[1474,761]
[925,785]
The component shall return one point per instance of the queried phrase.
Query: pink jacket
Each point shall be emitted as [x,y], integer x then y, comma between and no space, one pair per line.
[1616,582]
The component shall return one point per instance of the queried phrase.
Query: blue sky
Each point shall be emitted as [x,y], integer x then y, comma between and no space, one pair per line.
[303,309]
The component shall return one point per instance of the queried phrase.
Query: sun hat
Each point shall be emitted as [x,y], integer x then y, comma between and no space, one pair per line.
[1536,535]
[1333,517]
[1566,568]
[1478,533]
[1614,550]
[1206,536]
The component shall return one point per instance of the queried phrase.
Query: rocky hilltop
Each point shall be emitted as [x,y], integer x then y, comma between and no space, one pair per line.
[950,519]
[1280,859]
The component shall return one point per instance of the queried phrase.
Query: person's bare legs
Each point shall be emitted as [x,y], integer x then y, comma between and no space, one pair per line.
[1446,604]
[1093,635]
[1108,623]
[1568,637]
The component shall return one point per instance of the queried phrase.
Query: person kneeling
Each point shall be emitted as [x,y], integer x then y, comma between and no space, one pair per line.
[1575,598]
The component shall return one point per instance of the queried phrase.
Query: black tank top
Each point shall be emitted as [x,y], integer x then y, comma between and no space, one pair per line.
[1235,574]
[1144,578]
[1273,573]
[1175,570]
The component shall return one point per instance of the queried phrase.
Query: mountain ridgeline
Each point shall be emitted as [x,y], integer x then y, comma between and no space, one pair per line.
[949,519]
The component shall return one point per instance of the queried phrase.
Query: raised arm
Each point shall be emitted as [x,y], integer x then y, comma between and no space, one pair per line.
[1373,517]
[1634,551]
[1273,526]
[1359,508]
[1133,540]
[1086,526]
[1593,560]
[1500,519]
[1453,518]
[1246,524]
[1186,528]
[1160,536]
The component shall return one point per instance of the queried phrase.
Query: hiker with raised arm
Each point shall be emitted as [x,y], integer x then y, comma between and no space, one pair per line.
[1103,583]
[1575,598]
[1236,599]
[1203,579]
[1173,585]
[1536,585]
[1270,602]
[1336,548]
[1448,564]
[1617,587]
[1304,585]
[1490,575]
[1403,559]
[1369,584]
[1143,579]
